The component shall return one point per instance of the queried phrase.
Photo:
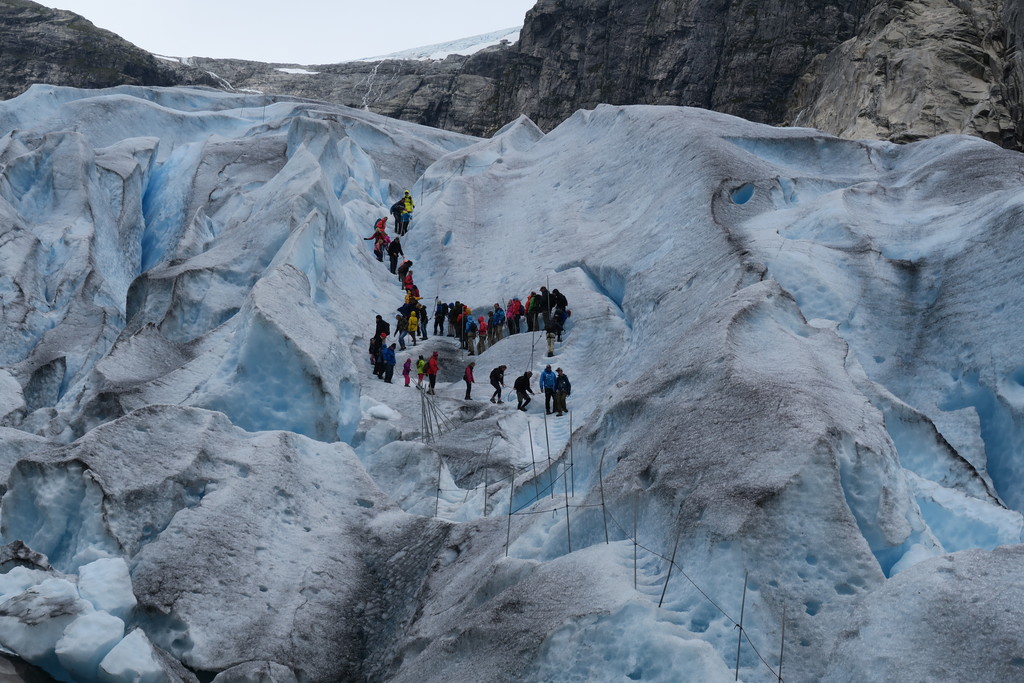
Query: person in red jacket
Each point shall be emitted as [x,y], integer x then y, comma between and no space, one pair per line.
[468,376]
[432,368]
[380,238]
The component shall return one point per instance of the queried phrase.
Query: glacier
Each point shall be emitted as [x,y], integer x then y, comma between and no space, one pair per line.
[794,447]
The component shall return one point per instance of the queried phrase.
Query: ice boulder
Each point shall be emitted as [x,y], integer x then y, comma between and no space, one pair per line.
[107,584]
[937,620]
[33,621]
[134,660]
[86,641]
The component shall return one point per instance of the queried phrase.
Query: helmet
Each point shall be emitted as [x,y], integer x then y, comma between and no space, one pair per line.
[407,191]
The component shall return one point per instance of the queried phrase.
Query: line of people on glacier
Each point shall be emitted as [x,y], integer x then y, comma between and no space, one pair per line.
[545,311]
[555,385]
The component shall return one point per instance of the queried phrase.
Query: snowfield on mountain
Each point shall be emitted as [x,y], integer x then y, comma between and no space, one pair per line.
[795,442]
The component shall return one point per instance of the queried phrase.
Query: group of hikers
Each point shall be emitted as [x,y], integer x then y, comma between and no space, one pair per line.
[555,385]
[545,311]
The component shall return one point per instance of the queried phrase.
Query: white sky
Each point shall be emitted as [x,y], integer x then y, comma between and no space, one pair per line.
[300,31]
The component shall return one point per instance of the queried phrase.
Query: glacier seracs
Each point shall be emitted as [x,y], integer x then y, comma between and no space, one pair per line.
[794,362]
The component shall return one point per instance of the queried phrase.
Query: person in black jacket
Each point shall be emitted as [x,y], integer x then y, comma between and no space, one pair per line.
[497,378]
[562,389]
[440,314]
[394,251]
[523,390]
[396,210]
[382,326]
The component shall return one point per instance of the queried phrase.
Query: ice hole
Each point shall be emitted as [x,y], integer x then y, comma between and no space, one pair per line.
[742,194]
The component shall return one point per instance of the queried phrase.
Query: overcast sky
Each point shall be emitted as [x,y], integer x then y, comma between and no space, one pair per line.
[300,31]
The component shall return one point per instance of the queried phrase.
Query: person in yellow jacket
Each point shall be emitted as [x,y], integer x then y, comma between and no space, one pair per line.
[412,325]
[407,207]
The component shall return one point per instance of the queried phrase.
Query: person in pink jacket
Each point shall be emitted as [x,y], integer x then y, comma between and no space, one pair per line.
[468,376]
[407,369]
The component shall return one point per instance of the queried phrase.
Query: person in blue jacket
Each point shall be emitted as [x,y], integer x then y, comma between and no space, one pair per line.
[389,362]
[547,384]
[496,329]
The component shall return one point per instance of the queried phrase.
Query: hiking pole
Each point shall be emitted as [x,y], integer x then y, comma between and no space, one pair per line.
[743,606]
[547,446]
[604,512]
[508,532]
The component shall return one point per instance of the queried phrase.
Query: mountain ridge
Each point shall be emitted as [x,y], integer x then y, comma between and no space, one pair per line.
[955,66]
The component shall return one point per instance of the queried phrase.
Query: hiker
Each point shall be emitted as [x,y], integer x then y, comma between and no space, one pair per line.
[403,269]
[497,378]
[407,207]
[375,346]
[454,311]
[396,210]
[432,368]
[440,313]
[523,390]
[380,238]
[544,306]
[389,363]
[498,324]
[423,317]
[394,251]
[412,325]
[401,329]
[554,331]
[562,389]
[547,385]
[513,312]
[382,326]
[558,300]
[481,335]
[421,367]
[407,284]
[470,336]
[468,377]
[558,322]
[532,309]
[407,369]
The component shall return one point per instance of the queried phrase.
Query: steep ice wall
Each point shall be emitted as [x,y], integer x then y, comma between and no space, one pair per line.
[794,382]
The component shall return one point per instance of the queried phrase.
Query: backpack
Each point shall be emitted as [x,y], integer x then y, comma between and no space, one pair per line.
[472,327]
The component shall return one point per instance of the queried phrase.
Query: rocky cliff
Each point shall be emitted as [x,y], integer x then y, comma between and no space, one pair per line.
[741,57]
[43,45]
[917,68]
[457,93]
[888,69]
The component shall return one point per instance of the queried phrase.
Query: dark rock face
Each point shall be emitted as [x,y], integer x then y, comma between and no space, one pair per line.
[42,45]
[1012,18]
[741,57]
[917,68]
